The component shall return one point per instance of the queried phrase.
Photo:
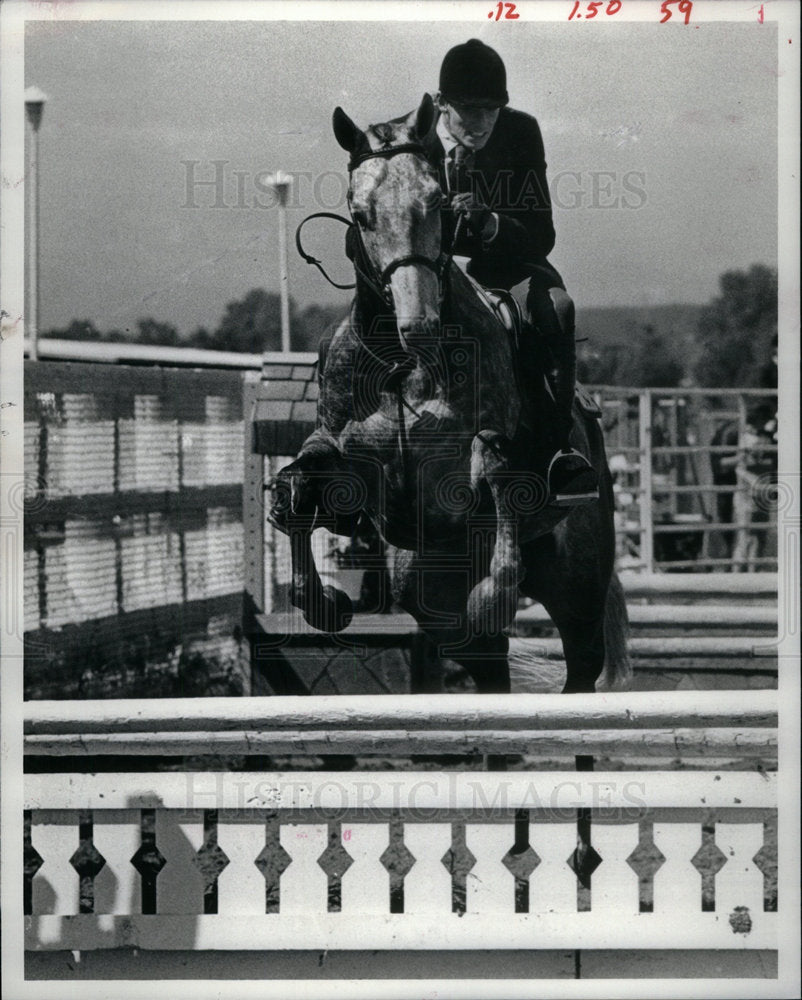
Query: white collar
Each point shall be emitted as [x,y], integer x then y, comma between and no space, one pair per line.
[445,137]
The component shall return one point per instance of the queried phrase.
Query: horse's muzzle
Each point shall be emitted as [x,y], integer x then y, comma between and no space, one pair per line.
[419,329]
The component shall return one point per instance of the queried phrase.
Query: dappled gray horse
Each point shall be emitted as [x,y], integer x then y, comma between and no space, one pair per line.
[427,426]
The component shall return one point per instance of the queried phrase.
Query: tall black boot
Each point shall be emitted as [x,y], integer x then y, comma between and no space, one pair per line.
[571,478]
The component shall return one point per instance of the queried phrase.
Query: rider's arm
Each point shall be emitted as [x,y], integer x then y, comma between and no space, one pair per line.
[524,225]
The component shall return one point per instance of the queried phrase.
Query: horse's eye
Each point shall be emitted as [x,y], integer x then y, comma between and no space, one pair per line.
[360,217]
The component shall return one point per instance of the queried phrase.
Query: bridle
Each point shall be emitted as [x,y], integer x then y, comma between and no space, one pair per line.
[378,281]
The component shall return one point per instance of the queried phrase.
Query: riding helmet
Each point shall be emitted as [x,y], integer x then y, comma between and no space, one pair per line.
[473,72]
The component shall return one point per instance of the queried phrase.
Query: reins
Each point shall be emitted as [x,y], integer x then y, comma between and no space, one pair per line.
[315,261]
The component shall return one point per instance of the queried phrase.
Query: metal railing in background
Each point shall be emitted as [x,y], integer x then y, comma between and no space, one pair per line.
[694,473]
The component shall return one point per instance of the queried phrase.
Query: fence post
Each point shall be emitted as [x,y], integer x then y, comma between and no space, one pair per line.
[253,501]
[645,464]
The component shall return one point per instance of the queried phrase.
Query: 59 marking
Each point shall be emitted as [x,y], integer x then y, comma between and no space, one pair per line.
[684,7]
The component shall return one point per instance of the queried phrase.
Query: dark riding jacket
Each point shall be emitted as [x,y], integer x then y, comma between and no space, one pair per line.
[509,177]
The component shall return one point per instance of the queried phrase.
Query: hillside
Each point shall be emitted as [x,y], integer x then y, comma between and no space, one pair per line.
[617,325]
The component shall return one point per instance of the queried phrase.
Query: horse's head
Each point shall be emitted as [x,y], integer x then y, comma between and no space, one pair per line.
[394,198]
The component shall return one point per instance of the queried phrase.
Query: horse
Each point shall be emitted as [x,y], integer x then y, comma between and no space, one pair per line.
[429,425]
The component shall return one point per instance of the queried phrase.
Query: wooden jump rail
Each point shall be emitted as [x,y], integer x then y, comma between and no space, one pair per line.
[639,723]
[388,859]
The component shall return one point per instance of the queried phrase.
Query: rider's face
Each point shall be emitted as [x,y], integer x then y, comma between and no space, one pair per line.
[470,124]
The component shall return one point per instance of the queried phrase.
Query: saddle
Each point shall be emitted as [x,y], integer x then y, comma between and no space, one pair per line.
[504,306]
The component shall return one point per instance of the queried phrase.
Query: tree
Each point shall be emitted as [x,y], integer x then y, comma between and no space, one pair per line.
[313,323]
[252,324]
[78,329]
[200,338]
[737,331]
[651,360]
[151,331]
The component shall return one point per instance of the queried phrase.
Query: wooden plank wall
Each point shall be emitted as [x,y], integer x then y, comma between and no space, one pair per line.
[133,523]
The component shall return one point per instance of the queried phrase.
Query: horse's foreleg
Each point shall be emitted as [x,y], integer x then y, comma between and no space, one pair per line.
[493,601]
[297,509]
[325,608]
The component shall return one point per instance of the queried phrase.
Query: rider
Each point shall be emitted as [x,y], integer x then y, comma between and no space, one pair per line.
[492,166]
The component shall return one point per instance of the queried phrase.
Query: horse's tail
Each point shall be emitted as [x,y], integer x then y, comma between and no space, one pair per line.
[617,665]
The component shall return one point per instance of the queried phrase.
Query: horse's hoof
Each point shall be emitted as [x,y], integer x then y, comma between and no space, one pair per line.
[332,613]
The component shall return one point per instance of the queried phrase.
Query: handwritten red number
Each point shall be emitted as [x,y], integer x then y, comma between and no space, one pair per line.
[685,7]
[346,834]
[613,7]
[505,10]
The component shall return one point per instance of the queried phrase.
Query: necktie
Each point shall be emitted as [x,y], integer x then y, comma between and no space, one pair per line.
[460,161]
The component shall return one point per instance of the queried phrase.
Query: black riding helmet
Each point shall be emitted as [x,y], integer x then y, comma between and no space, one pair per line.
[473,72]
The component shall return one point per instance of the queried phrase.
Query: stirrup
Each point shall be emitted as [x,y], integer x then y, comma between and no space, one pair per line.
[581,486]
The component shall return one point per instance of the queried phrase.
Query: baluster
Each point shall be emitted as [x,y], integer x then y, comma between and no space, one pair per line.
[490,887]
[677,884]
[740,882]
[552,885]
[241,885]
[304,884]
[55,887]
[366,884]
[117,835]
[614,885]
[427,886]
[179,837]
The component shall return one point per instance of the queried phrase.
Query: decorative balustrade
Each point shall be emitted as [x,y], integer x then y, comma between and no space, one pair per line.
[406,859]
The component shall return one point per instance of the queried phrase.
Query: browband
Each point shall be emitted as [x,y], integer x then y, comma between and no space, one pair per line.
[385,154]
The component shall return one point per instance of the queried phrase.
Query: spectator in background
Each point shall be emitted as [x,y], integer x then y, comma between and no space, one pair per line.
[755,464]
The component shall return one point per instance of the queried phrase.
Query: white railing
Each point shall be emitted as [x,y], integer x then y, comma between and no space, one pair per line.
[410,859]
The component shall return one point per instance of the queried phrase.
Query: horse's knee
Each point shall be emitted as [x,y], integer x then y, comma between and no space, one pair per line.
[294,492]
[489,455]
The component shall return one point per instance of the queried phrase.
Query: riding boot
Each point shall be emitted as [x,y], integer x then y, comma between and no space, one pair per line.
[572,479]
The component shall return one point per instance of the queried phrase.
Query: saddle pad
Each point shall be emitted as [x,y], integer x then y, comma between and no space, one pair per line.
[500,307]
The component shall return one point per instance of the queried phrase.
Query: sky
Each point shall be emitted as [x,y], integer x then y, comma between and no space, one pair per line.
[661,143]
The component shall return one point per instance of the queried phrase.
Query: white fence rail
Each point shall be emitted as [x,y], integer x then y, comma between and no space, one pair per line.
[405,859]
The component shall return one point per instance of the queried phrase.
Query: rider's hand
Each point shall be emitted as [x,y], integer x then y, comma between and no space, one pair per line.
[477,214]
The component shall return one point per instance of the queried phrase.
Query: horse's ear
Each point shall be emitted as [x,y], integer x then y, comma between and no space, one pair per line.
[348,135]
[424,116]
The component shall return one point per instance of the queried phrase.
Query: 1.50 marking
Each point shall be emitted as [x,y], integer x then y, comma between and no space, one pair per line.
[613,7]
